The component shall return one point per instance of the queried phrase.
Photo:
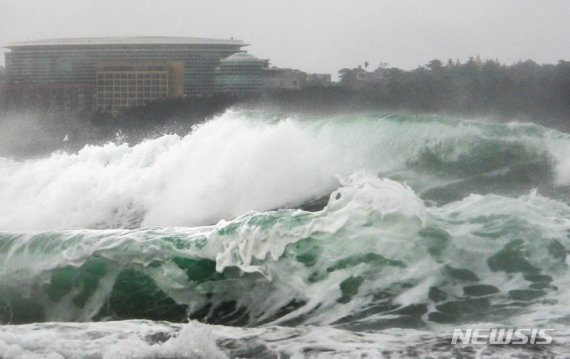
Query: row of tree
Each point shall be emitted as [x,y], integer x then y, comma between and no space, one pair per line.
[521,89]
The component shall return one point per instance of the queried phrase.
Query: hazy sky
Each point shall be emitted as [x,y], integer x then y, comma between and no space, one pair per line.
[316,35]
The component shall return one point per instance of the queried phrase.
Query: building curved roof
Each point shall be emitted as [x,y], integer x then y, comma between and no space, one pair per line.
[242,57]
[138,40]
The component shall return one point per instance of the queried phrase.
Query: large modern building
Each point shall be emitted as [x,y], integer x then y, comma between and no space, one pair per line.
[94,73]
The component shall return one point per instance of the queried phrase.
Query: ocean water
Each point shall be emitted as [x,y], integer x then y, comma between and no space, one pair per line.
[264,235]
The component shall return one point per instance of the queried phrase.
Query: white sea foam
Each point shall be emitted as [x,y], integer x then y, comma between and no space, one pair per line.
[233,164]
[138,339]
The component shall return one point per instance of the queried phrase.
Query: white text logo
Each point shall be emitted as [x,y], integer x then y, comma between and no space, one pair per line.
[502,336]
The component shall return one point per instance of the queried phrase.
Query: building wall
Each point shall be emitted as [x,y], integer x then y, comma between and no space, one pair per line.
[240,77]
[2,86]
[48,66]
[122,85]
[287,79]
[58,97]
[176,79]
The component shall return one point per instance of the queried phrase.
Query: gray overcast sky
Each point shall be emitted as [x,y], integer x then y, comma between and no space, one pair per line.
[316,35]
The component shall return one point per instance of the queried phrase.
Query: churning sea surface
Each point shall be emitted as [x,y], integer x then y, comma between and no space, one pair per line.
[264,235]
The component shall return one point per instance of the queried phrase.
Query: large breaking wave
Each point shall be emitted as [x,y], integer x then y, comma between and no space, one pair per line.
[240,162]
[472,228]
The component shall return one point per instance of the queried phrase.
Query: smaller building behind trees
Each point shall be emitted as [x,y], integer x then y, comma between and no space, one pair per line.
[240,73]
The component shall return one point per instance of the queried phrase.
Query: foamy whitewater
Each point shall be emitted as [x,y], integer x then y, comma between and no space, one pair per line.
[261,235]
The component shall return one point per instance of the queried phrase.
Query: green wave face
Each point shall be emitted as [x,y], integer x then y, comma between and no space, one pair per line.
[375,257]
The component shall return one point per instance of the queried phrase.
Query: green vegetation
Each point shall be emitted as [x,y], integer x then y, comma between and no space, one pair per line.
[475,87]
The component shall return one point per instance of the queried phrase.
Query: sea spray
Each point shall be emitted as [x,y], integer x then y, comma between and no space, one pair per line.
[234,164]
[431,224]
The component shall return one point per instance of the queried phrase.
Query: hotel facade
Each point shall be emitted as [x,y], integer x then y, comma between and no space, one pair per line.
[108,74]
